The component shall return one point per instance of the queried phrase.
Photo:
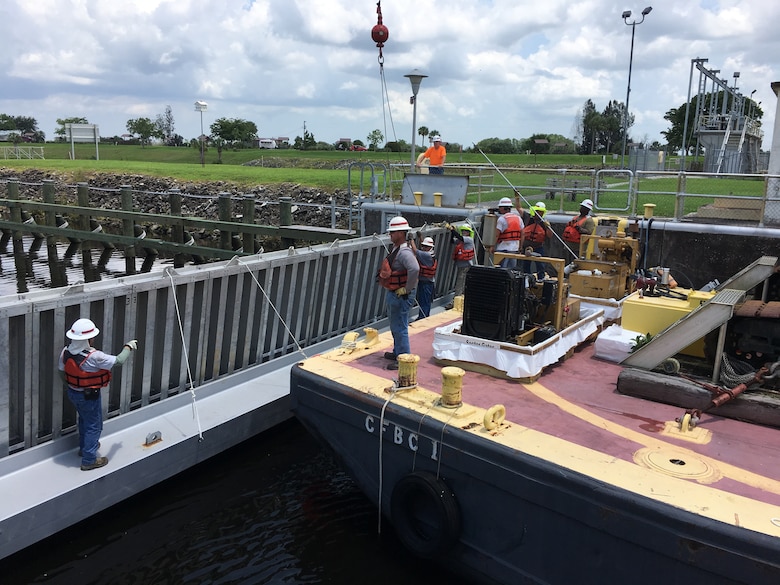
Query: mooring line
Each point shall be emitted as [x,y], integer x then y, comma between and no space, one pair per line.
[195,414]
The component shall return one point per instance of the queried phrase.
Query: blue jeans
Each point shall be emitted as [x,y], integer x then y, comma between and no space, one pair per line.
[424,298]
[90,424]
[398,313]
[435,170]
[508,263]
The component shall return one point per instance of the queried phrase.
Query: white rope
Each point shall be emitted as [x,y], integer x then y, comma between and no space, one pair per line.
[195,414]
[381,431]
[279,316]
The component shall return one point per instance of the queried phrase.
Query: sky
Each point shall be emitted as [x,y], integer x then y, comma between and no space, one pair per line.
[496,68]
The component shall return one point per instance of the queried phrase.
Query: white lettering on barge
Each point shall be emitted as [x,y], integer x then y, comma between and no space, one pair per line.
[402,436]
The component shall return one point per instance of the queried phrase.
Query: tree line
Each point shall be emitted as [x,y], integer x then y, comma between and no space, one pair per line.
[593,132]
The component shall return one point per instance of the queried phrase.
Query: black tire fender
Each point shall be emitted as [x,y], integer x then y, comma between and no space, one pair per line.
[425,514]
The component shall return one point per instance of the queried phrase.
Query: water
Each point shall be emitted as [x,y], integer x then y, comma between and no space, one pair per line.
[73,265]
[274,510]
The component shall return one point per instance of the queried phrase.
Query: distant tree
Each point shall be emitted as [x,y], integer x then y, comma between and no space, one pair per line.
[144,128]
[374,138]
[175,140]
[26,124]
[423,131]
[235,131]
[60,131]
[393,146]
[7,122]
[307,142]
[498,146]
[220,144]
[164,124]
[612,127]
[358,142]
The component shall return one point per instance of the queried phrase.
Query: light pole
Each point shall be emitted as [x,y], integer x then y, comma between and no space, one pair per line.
[201,106]
[415,78]
[632,24]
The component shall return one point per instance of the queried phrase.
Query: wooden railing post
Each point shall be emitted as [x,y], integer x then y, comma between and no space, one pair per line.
[285,218]
[128,227]
[248,211]
[174,199]
[225,214]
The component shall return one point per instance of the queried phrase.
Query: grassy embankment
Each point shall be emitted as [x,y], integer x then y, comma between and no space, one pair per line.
[310,168]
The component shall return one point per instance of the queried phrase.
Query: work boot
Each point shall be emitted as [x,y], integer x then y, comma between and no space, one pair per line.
[389,355]
[449,306]
[99,462]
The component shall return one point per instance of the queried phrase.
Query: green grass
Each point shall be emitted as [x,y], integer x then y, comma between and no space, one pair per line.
[327,170]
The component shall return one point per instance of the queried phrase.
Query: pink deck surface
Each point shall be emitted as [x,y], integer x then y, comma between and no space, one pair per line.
[590,383]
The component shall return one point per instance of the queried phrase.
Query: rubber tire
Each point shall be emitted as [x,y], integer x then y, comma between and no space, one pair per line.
[425,514]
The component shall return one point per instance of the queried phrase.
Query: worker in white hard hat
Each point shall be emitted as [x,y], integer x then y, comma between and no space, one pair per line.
[399,275]
[509,232]
[436,154]
[86,370]
[582,224]
[536,233]
[426,258]
[463,256]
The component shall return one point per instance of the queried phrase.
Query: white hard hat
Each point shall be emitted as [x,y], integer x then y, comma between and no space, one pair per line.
[436,138]
[505,202]
[398,224]
[587,203]
[83,329]
[428,242]
[540,205]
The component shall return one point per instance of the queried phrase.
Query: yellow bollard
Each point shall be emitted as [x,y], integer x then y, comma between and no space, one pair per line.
[649,210]
[418,198]
[407,370]
[451,386]
[437,199]
[457,303]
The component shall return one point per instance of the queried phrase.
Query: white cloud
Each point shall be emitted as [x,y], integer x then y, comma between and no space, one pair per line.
[506,68]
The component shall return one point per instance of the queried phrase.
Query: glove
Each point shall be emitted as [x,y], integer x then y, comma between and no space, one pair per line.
[401,292]
[132,344]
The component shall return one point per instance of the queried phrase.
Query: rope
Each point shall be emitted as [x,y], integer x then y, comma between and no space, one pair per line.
[275,310]
[186,354]
[380,431]
[520,195]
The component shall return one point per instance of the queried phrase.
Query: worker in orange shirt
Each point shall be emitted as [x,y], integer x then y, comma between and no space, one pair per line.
[436,154]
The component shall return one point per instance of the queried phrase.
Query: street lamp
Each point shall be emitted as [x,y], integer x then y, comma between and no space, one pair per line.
[626,15]
[201,106]
[415,78]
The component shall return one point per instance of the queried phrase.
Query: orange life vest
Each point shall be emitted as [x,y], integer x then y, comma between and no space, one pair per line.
[571,233]
[460,253]
[75,377]
[512,231]
[389,278]
[429,271]
[535,233]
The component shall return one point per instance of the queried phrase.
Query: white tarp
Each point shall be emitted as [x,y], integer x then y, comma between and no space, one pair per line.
[517,361]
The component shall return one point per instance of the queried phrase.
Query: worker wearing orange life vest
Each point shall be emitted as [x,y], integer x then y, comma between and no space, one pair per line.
[536,232]
[426,258]
[86,370]
[582,224]
[509,232]
[463,255]
[399,275]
